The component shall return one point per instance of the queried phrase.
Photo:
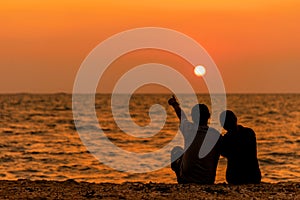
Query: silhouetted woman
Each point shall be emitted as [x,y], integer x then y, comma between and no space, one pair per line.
[239,147]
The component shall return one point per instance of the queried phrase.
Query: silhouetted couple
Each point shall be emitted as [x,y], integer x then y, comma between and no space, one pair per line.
[238,145]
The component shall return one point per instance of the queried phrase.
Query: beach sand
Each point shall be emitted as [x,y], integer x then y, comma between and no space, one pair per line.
[70,189]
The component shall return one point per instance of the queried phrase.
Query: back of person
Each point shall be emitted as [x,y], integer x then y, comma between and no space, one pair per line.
[239,147]
[200,170]
[197,162]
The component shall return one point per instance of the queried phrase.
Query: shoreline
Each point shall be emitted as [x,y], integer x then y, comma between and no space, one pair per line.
[44,189]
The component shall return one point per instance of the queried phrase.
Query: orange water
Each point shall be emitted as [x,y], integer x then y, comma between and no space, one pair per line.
[39,139]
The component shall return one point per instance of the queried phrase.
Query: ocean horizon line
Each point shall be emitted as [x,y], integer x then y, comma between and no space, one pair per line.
[150,93]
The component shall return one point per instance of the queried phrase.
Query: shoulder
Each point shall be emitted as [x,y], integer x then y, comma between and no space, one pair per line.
[247,131]
[186,126]
[214,133]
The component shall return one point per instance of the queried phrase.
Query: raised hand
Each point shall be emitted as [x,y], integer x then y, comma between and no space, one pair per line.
[173,101]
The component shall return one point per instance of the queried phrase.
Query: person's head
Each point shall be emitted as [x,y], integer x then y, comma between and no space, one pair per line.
[228,120]
[200,114]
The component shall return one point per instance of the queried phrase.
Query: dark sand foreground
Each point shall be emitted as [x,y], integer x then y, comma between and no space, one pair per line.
[26,189]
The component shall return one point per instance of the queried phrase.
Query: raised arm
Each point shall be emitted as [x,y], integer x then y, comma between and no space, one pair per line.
[179,112]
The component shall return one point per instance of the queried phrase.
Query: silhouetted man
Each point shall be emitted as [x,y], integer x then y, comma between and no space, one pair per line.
[191,167]
[239,147]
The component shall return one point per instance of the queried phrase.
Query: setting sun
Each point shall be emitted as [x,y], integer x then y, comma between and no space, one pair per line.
[199,70]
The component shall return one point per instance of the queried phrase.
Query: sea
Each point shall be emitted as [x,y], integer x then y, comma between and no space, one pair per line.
[40,140]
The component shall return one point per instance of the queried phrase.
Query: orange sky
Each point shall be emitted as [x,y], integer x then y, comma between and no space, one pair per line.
[255,44]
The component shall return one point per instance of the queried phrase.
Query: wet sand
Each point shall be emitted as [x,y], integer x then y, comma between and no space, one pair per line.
[70,189]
